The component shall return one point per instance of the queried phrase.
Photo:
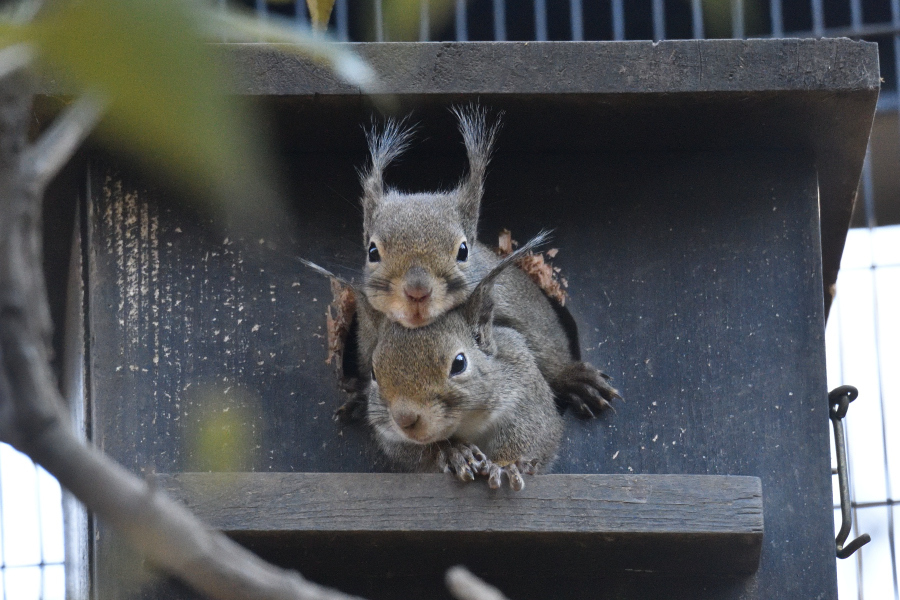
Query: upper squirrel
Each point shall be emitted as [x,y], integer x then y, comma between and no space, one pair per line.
[423,260]
[462,394]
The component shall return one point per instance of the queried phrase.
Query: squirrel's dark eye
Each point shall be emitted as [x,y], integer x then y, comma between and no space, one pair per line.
[373,253]
[463,253]
[459,364]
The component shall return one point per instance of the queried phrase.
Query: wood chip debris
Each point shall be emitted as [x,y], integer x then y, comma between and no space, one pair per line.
[339,317]
[541,272]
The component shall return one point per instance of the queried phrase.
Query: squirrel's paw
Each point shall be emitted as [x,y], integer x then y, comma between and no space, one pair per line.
[465,461]
[586,389]
[513,472]
[352,410]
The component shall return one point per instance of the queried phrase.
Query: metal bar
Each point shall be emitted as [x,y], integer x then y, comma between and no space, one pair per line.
[262,11]
[856,13]
[697,19]
[737,19]
[342,20]
[839,400]
[868,190]
[300,12]
[499,20]
[874,504]
[379,21]
[462,25]
[576,16]
[540,20]
[618,20]
[866,30]
[777,17]
[2,530]
[871,222]
[424,18]
[818,17]
[659,20]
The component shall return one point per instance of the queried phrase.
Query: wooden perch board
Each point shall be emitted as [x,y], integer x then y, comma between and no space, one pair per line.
[423,523]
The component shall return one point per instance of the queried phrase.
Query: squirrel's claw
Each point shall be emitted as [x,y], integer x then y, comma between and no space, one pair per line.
[586,389]
[496,472]
[475,458]
[464,461]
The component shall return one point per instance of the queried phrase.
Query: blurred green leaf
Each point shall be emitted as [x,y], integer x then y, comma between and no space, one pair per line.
[402,17]
[163,86]
[165,89]
[221,429]
[320,12]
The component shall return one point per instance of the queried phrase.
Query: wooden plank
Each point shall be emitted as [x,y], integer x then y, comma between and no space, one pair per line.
[664,523]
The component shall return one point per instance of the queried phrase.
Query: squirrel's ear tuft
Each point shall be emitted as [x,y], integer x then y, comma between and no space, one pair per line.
[385,146]
[478,137]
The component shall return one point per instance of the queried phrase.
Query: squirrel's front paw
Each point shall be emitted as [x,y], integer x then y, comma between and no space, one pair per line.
[465,461]
[586,389]
[513,472]
[352,410]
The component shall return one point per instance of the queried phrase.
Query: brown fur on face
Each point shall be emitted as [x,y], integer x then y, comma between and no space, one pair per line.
[498,401]
[418,276]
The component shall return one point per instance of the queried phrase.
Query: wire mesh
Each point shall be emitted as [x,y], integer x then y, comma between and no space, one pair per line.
[863,345]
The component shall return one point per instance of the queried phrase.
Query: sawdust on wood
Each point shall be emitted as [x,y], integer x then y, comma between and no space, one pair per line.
[534,264]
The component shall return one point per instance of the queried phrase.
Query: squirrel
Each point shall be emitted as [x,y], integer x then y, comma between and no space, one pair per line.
[462,394]
[423,260]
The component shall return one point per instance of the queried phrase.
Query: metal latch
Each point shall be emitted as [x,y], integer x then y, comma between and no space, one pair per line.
[839,400]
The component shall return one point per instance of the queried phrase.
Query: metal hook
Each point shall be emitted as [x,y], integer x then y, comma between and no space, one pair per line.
[839,400]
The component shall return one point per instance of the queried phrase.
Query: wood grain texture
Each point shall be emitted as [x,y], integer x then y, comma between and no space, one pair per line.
[694,278]
[298,502]
[709,525]
[814,95]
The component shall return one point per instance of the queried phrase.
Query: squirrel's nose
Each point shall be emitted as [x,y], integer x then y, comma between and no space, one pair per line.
[417,293]
[406,420]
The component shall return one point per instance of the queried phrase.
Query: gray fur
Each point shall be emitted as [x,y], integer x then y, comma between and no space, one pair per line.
[501,404]
[420,233]
[384,147]
[478,138]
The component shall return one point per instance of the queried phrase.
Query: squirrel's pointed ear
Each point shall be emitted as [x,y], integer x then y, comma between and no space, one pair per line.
[384,147]
[479,307]
[478,137]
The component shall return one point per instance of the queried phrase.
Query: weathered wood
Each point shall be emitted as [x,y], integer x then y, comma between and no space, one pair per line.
[685,202]
[611,504]
[694,279]
[702,524]
[816,95]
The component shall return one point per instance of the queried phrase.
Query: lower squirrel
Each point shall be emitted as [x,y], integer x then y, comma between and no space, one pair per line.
[463,394]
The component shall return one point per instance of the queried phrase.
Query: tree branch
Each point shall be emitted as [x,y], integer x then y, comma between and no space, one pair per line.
[465,586]
[14,58]
[54,149]
[32,418]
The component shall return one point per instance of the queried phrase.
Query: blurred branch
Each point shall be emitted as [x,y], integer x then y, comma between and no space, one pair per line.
[32,418]
[43,161]
[465,586]
[297,40]
[13,58]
